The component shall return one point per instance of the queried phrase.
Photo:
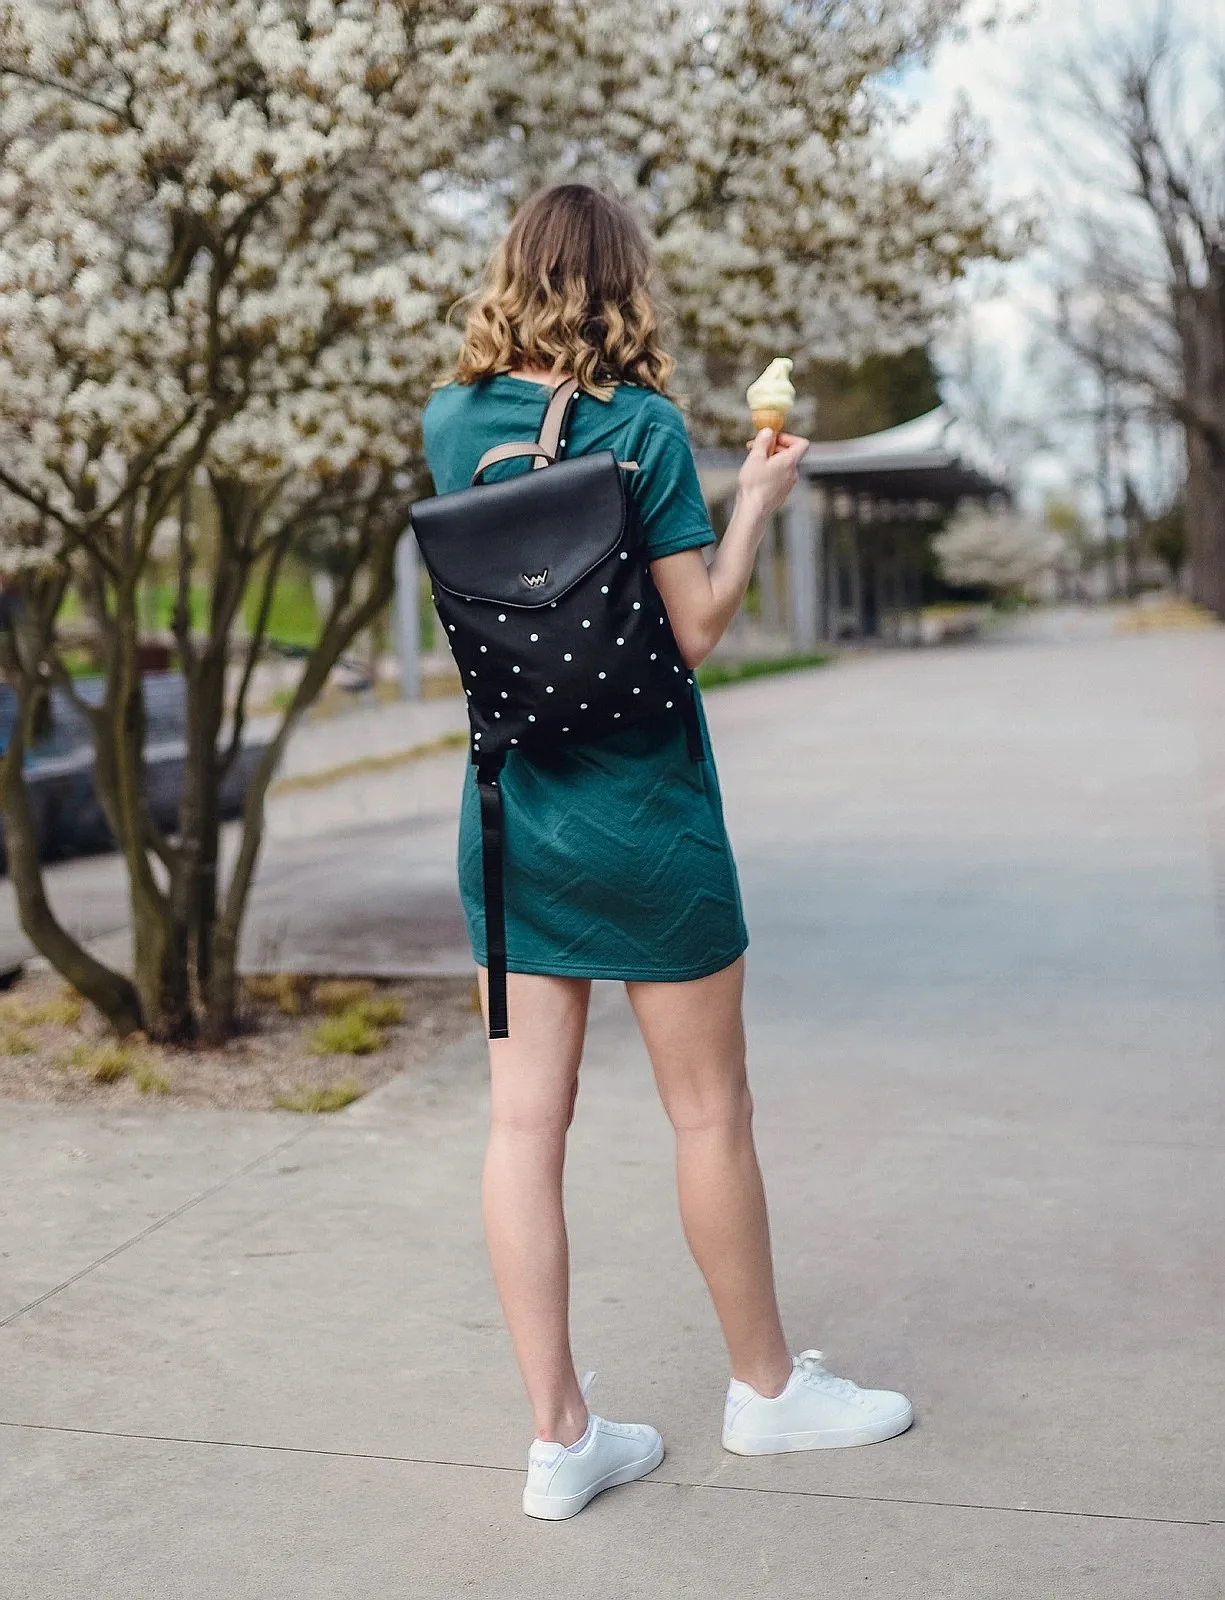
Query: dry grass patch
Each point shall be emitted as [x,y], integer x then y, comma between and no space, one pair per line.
[289,992]
[382,1011]
[348,1034]
[105,1062]
[63,1009]
[1166,613]
[54,1047]
[338,994]
[149,1080]
[317,1101]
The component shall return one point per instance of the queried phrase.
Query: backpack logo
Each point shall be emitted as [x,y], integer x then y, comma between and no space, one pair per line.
[535,580]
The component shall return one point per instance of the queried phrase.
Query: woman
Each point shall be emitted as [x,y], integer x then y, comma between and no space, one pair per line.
[618,866]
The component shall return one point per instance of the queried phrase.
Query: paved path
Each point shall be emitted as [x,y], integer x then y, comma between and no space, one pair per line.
[357,874]
[248,1356]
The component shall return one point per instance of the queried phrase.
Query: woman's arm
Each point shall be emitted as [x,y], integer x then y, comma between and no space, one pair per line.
[701,600]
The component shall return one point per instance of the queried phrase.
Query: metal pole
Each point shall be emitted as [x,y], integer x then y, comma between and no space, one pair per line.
[820,563]
[801,532]
[767,579]
[857,574]
[407,617]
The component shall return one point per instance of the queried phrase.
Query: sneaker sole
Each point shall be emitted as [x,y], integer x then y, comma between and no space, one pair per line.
[823,1439]
[556,1508]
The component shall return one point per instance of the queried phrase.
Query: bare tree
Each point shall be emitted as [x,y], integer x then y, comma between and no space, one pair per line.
[1145,310]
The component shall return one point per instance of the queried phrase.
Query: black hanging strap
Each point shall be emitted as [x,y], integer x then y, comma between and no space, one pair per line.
[489,788]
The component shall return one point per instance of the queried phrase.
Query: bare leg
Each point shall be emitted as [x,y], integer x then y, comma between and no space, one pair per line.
[694,1034]
[534,1082]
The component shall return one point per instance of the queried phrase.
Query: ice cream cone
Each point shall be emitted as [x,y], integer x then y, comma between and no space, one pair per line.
[771,397]
[772,419]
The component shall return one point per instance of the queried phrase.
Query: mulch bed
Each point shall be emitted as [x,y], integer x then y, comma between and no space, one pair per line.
[295,1051]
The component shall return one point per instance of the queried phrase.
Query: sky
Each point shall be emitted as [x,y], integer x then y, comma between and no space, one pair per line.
[1004,74]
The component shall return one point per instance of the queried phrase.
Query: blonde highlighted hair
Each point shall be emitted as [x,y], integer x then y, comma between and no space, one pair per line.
[568,290]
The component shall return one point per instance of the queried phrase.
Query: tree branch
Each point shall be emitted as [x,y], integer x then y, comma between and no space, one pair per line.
[69,90]
[39,502]
[254,650]
[113,994]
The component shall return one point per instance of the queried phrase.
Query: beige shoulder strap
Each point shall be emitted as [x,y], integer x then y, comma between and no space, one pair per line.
[550,428]
[510,452]
[545,448]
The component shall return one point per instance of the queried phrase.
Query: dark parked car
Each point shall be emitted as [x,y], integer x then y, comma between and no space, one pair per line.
[59,768]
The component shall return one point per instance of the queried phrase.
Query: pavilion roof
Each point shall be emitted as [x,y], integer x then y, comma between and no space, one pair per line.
[934,457]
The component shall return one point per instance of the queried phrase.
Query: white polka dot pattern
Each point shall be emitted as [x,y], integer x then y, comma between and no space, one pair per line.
[618,666]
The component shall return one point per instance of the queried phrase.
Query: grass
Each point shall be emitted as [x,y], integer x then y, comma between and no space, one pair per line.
[1166,612]
[367,766]
[382,1013]
[288,991]
[349,1033]
[338,994]
[110,1061]
[104,1063]
[65,1011]
[293,618]
[355,1013]
[356,998]
[314,1101]
[713,674]
[149,1080]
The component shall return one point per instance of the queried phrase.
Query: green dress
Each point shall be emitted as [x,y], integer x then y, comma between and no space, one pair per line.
[618,863]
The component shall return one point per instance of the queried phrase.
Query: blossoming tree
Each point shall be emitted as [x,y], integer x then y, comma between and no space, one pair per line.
[760,141]
[999,548]
[229,233]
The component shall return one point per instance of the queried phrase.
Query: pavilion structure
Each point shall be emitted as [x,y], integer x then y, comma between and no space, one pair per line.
[846,556]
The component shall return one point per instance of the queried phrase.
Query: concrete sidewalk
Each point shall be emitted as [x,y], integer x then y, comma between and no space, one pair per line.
[250,1356]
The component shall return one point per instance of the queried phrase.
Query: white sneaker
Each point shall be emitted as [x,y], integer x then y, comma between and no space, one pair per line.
[561,1479]
[816,1411]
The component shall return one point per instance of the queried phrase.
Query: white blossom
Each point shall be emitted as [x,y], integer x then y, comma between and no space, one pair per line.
[999,548]
[230,230]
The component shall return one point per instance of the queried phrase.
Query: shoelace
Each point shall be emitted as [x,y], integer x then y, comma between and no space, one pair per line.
[817,1377]
[622,1430]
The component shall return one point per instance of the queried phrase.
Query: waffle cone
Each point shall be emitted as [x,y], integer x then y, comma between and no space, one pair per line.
[772,419]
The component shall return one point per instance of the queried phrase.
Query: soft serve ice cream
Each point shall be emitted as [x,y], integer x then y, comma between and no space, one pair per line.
[771,397]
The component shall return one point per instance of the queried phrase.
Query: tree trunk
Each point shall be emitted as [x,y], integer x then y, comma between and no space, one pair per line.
[113,995]
[201,815]
[1205,524]
[345,622]
[159,945]
[1201,328]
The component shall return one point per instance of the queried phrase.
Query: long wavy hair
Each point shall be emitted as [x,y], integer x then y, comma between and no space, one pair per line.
[568,289]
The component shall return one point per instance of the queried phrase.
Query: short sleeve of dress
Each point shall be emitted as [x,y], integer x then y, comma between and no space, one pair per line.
[671,509]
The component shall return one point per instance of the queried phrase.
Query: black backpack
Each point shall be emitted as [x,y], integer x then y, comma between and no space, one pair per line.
[559,633]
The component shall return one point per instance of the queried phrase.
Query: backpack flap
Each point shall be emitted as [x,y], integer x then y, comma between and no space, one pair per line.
[526,540]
